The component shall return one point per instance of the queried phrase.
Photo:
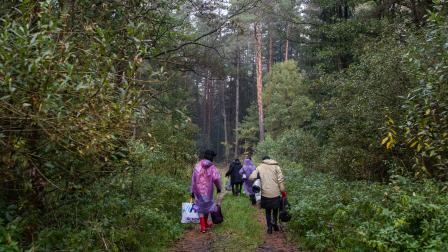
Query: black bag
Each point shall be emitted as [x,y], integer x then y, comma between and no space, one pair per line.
[256,186]
[284,215]
[217,215]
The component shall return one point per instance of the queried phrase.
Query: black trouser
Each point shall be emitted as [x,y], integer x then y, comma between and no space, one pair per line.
[236,188]
[271,216]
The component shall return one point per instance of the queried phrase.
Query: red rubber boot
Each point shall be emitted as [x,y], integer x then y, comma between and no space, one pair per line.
[202,223]
[207,225]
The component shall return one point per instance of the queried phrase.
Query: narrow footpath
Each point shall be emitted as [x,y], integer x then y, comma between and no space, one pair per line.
[276,241]
[243,229]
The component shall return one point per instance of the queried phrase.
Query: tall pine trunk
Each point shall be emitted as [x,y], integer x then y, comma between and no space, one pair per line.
[270,49]
[210,112]
[287,42]
[237,101]
[224,117]
[259,70]
[204,110]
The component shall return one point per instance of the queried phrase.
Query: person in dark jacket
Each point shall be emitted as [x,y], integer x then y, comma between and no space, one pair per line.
[236,180]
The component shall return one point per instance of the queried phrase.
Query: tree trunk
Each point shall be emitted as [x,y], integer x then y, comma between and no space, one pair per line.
[287,42]
[210,112]
[204,108]
[224,117]
[237,101]
[259,70]
[270,49]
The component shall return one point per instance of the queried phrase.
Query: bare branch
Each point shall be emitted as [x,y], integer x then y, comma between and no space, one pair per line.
[243,9]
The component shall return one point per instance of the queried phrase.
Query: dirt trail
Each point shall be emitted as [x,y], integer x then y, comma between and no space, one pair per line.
[276,241]
[193,240]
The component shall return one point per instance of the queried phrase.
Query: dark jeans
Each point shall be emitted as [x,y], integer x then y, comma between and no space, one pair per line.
[236,188]
[271,216]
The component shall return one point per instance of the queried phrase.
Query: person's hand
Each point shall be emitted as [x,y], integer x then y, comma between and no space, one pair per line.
[283,194]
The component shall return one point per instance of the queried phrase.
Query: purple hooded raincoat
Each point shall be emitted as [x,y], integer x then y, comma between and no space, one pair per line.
[205,175]
[247,169]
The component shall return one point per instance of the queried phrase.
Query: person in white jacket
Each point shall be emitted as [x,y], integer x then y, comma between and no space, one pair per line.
[272,190]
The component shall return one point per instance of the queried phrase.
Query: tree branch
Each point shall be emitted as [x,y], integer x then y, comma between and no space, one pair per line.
[243,9]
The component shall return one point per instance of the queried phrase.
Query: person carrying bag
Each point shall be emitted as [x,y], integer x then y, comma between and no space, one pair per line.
[272,190]
[246,171]
[205,177]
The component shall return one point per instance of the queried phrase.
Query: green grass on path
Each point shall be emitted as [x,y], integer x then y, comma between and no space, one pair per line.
[240,230]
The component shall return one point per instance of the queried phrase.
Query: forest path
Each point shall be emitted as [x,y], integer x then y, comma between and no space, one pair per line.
[243,229]
[277,241]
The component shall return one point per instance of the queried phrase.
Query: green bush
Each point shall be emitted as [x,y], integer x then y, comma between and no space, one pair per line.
[329,213]
[424,129]
[119,214]
[137,209]
[351,113]
[286,99]
[8,237]
[291,146]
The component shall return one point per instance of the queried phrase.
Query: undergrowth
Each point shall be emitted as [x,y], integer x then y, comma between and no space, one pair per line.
[117,214]
[334,214]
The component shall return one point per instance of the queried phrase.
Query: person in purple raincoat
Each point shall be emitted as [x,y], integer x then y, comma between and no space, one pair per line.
[205,175]
[246,171]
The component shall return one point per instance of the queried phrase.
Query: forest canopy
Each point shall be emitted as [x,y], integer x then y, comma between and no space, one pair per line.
[106,105]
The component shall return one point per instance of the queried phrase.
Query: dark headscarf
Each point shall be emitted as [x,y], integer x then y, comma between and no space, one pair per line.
[209,155]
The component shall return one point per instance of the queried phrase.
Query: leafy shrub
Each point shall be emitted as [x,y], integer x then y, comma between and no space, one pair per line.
[248,130]
[424,129]
[70,177]
[291,146]
[353,110]
[286,98]
[8,237]
[119,213]
[329,213]
[136,209]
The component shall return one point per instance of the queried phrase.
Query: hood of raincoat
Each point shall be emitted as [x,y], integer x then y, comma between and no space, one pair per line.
[205,176]
[203,165]
[270,162]
[248,162]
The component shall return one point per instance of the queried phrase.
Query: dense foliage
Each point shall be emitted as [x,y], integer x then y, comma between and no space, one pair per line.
[373,108]
[102,104]
[424,129]
[329,213]
[372,101]
[91,125]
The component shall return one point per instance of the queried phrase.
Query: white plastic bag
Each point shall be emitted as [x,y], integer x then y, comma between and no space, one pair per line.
[189,215]
[228,186]
[258,197]
[256,188]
